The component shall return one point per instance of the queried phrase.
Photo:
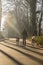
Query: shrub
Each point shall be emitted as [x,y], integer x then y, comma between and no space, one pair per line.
[39,40]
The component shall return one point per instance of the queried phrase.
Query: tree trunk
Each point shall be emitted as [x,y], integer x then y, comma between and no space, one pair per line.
[40,25]
[40,19]
[0,13]
[33,17]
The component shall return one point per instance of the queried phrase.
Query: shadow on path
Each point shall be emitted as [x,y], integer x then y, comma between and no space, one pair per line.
[27,44]
[28,55]
[24,48]
[34,47]
[14,60]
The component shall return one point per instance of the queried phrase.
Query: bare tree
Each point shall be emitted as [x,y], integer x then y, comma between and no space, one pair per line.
[33,17]
[40,14]
[0,13]
[40,19]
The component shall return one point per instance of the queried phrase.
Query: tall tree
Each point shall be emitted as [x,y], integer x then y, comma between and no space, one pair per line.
[0,13]
[40,19]
[33,17]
